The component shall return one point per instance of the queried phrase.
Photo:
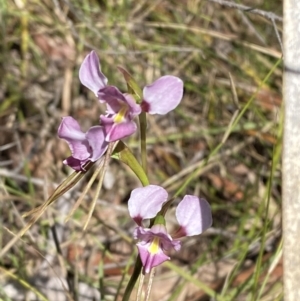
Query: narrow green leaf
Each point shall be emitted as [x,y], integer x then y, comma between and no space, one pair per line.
[124,154]
[134,277]
[133,87]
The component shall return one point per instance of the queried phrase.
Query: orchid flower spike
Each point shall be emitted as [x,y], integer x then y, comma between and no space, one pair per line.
[89,146]
[193,215]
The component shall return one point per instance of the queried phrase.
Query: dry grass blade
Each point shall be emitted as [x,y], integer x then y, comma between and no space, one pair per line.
[98,170]
[109,151]
[38,212]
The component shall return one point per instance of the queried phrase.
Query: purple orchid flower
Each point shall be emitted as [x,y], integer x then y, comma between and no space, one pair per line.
[193,215]
[160,97]
[121,108]
[89,146]
[120,112]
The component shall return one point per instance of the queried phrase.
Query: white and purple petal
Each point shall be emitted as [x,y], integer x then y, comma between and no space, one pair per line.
[163,95]
[75,163]
[150,260]
[153,243]
[146,202]
[193,215]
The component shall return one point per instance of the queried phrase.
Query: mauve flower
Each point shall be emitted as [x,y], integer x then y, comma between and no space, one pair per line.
[89,146]
[193,215]
[153,243]
[121,109]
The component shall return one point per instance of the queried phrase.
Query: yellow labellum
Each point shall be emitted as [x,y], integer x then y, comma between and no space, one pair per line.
[154,247]
[120,116]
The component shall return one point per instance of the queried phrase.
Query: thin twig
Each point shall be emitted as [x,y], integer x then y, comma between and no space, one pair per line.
[72,289]
[263,13]
[150,282]
[277,34]
[109,151]
[140,287]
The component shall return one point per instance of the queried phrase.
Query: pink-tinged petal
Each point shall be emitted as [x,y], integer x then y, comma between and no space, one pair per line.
[96,138]
[146,202]
[134,108]
[153,243]
[106,120]
[193,215]
[70,128]
[167,242]
[90,74]
[116,100]
[75,163]
[70,131]
[163,95]
[142,233]
[113,97]
[159,231]
[120,130]
[151,260]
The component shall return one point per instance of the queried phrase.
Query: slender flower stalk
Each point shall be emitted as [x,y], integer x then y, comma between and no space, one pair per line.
[143,139]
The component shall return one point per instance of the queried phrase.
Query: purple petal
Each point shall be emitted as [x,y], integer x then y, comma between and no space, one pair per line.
[163,95]
[90,73]
[134,108]
[142,233]
[116,100]
[149,259]
[107,120]
[160,231]
[119,130]
[70,131]
[96,138]
[154,242]
[113,97]
[74,163]
[193,215]
[146,202]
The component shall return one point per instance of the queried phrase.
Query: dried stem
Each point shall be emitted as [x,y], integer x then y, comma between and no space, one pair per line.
[150,282]
[263,13]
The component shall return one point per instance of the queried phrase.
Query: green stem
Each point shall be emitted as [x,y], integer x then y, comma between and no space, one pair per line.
[143,128]
[134,277]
